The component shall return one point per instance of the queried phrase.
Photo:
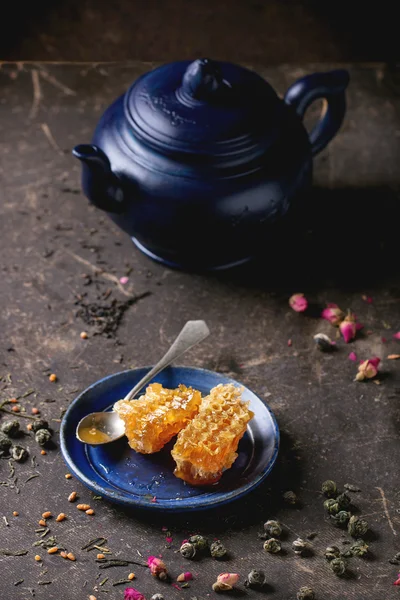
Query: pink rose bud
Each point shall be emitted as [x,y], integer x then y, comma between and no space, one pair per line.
[225,582]
[397,335]
[132,594]
[157,567]
[353,356]
[348,328]
[368,369]
[123,280]
[397,582]
[298,302]
[187,576]
[333,314]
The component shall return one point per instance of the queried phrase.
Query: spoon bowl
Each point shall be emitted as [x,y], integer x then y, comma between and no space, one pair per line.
[100,428]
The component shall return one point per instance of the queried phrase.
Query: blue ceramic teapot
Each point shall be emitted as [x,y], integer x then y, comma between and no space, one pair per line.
[198,160]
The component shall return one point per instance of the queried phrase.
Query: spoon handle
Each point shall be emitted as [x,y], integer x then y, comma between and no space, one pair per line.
[192,333]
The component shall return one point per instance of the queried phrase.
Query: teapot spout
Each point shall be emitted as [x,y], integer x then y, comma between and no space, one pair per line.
[100,185]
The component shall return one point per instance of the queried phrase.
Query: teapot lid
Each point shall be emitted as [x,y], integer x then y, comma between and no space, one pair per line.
[203,107]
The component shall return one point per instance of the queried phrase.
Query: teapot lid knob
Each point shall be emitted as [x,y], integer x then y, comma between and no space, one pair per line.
[202,79]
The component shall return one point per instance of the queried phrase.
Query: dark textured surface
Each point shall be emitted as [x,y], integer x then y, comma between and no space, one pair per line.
[261,31]
[55,248]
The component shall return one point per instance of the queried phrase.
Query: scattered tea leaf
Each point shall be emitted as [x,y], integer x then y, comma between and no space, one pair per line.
[121,581]
[32,477]
[6,552]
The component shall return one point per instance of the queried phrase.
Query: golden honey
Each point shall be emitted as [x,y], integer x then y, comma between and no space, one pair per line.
[207,446]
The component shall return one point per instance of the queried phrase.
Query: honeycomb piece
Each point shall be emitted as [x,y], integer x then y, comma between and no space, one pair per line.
[154,418]
[207,446]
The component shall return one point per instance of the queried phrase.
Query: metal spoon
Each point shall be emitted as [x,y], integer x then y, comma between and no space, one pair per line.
[104,427]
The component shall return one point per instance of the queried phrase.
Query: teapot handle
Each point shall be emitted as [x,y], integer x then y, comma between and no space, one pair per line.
[331,86]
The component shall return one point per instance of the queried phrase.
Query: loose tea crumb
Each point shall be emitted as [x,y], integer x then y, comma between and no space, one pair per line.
[255,579]
[338,566]
[357,527]
[332,552]
[272,545]
[199,542]
[106,318]
[72,497]
[329,488]
[305,593]
[68,476]
[351,488]
[273,528]
[53,377]
[301,547]
[11,428]
[290,497]
[359,548]
[188,550]
[217,549]
[42,436]
[341,519]
[19,454]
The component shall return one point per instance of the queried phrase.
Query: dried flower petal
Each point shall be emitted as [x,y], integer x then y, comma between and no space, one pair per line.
[187,576]
[157,567]
[168,539]
[333,314]
[132,594]
[397,582]
[368,369]
[393,356]
[367,299]
[353,356]
[397,335]
[348,328]
[298,302]
[123,280]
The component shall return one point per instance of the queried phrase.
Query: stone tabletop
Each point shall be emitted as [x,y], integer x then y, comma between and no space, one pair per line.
[61,258]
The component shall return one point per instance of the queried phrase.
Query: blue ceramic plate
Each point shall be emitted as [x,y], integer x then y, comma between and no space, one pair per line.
[119,474]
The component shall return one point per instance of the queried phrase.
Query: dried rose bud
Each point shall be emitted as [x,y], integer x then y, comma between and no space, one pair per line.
[397,582]
[368,369]
[225,582]
[298,302]
[348,328]
[157,567]
[187,576]
[333,314]
[396,336]
[132,594]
